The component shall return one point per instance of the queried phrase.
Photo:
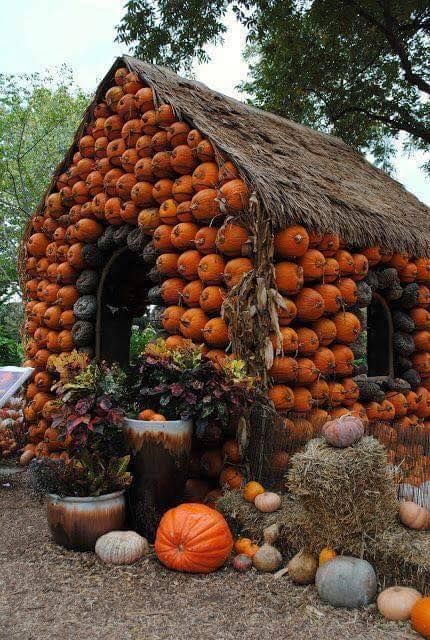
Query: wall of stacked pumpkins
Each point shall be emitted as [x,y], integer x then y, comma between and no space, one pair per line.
[141,177]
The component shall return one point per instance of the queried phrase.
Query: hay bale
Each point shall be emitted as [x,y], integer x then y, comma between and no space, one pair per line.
[348,494]
[399,555]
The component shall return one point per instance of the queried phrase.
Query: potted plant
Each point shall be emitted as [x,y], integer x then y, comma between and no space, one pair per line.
[176,394]
[85,490]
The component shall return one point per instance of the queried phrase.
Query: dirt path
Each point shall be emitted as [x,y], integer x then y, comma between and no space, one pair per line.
[47,593]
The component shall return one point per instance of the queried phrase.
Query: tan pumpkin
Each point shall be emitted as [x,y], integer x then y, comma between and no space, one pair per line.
[414,516]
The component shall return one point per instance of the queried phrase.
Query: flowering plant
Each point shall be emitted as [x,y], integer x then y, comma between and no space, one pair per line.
[182,383]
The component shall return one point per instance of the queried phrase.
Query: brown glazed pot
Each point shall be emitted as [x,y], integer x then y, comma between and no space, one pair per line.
[160,453]
[77,523]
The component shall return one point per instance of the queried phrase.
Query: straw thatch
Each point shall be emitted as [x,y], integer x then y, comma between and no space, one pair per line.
[399,555]
[299,175]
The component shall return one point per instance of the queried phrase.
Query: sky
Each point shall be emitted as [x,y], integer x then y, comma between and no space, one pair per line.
[39,34]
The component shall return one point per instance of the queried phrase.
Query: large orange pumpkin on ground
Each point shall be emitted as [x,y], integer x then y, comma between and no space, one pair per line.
[193,538]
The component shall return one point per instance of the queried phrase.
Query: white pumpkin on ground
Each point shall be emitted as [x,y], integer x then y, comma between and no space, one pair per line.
[396,603]
[121,547]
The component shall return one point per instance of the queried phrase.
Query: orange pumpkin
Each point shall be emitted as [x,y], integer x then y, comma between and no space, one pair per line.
[162,190]
[193,538]
[204,240]
[420,616]
[36,245]
[67,296]
[227,172]
[346,262]
[188,263]
[303,401]
[326,331]
[320,391]
[162,238]
[328,244]
[144,146]
[205,176]
[191,293]
[211,268]
[192,324]
[234,195]
[423,270]
[306,371]
[288,277]
[194,138]
[361,266]
[171,290]
[331,270]
[352,391]
[291,242]
[332,297]
[87,230]
[183,211]
[235,270]
[145,99]
[336,393]
[204,205]
[211,299]
[422,340]
[183,235]
[216,333]
[423,296]
[344,360]
[373,255]
[182,189]
[142,195]
[170,318]
[310,304]
[308,341]
[287,312]
[148,220]
[177,133]
[284,369]
[289,341]
[282,397]
[312,263]
[348,327]
[348,291]
[231,477]
[409,273]
[324,361]
[231,239]
[167,264]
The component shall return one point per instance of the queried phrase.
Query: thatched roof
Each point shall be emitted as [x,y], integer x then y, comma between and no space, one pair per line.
[299,174]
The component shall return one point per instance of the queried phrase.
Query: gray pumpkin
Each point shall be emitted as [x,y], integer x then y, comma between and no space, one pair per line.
[136,240]
[88,281]
[105,242]
[93,256]
[85,307]
[83,333]
[346,582]
[120,234]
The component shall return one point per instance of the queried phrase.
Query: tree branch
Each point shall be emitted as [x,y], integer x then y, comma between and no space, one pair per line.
[390,29]
[414,129]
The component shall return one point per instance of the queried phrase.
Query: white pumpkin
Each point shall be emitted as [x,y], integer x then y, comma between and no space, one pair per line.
[121,547]
[396,603]
[267,502]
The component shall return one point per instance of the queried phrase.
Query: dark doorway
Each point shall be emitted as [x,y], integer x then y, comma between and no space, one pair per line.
[122,295]
[379,338]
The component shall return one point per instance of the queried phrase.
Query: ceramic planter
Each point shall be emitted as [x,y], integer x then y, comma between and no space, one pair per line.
[77,523]
[160,454]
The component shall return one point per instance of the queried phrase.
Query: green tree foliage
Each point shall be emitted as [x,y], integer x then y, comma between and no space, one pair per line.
[354,68]
[39,114]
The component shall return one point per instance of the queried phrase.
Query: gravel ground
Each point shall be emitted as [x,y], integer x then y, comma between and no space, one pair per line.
[47,593]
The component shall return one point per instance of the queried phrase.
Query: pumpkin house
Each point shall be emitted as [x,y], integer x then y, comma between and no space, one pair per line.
[250,234]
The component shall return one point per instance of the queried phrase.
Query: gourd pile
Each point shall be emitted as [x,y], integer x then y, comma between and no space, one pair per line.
[11,423]
[143,178]
[316,370]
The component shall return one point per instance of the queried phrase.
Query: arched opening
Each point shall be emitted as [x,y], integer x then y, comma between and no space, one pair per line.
[379,338]
[122,296]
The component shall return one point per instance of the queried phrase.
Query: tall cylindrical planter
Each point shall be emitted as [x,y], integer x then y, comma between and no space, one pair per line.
[160,454]
[77,523]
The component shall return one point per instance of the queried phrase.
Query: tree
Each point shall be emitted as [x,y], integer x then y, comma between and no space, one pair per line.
[39,114]
[354,68]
